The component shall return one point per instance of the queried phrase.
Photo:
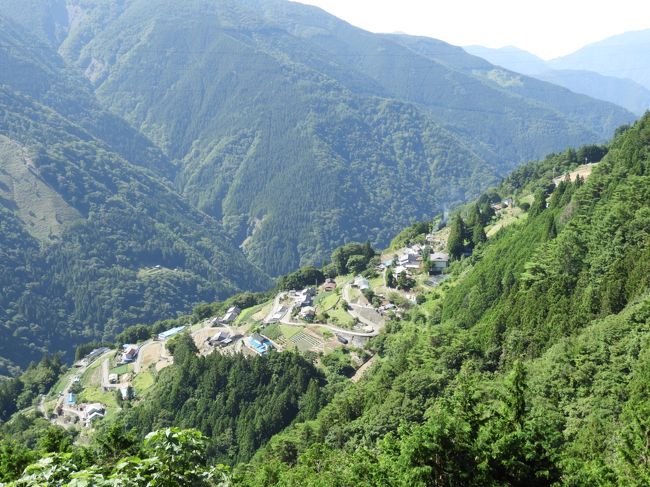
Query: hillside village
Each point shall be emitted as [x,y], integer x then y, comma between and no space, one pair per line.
[341,313]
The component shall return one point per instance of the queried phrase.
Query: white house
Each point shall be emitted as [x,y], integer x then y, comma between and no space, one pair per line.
[307,312]
[410,259]
[361,283]
[93,411]
[440,260]
[231,314]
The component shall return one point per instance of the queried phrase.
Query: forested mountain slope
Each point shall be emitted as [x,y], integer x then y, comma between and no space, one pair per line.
[82,228]
[531,370]
[33,68]
[258,98]
[528,366]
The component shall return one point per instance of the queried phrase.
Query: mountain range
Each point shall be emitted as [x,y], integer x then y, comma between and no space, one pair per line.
[615,69]
[154,157]
[92,239]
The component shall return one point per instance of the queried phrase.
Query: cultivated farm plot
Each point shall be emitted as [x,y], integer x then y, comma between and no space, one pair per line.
[262,311]
[325,301]
[150,354]
[305,341]
[93,375]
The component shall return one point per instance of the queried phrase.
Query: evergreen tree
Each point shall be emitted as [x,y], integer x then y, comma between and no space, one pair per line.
[390,278]
[478,234]
[456,241]
[539,204]
[551,229]
[474,216]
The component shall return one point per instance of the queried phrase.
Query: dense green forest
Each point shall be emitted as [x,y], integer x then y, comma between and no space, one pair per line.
[530,368]
[262,97]
[237,402]
[157,162]
[91,243]
[141,175]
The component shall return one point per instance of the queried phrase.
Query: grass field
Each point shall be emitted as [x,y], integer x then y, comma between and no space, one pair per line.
[354,293]
[122,369]
[272,331]
[341,280]
[289,331]
[92,375]
[62,382]
[143,381]
[247,313]
[376,281]
[96,394]
[325,301]
[340,316]
[507,217]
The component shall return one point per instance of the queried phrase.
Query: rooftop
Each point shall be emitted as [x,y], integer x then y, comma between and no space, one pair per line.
[169,333]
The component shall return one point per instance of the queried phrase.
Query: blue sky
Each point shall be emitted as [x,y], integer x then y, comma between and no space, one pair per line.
[548,28]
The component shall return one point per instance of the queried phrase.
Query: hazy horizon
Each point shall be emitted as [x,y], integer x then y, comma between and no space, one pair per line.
[551,29]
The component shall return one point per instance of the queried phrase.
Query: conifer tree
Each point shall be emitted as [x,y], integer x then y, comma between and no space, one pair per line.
[478,234]
[456,241]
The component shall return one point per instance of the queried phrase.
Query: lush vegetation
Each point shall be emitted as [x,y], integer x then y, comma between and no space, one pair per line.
[169,457]
[20,392]
[342,141]
[238,402]
[89,242]
[530,368]
[106,222]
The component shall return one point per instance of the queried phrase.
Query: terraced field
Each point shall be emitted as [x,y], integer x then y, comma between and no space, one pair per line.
[305,341]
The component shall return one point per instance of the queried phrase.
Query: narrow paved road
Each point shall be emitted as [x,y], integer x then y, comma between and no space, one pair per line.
[137,365]
[288,321]
[106,384]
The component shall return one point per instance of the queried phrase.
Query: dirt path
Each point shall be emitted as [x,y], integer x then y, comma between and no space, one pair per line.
[41,407]
[363,369]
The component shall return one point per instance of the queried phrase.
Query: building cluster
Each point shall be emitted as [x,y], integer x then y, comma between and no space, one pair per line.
[92,412]
[361,283]
[411,260]
[231,315]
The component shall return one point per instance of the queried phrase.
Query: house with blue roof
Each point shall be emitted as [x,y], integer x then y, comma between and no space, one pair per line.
[259,344]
